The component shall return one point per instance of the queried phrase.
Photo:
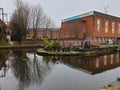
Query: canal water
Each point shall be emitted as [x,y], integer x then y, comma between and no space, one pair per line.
[25,70]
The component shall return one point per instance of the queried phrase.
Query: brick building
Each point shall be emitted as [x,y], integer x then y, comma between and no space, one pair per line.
[93,26]
[50,33]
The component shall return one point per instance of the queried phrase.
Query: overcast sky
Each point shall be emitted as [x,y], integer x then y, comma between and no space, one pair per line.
[61,9]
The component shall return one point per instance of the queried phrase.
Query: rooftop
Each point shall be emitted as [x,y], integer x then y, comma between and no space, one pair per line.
[89,14]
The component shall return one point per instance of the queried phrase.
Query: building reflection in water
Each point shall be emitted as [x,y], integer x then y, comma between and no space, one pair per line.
[91,65]
[105,60]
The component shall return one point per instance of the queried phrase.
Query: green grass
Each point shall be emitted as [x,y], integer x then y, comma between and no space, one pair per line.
[3,44]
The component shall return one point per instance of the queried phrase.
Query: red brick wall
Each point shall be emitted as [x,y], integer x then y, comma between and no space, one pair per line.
[31,41]
[102,32]
[89,26]
[72,30]
[68,29]
[55,35]
[51,34]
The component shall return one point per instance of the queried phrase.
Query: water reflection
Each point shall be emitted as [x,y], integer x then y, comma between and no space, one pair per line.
[27,70]
[4,55]
[90,65]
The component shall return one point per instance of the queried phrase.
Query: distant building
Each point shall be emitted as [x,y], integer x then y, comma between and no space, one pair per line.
[50,33]
[93,25]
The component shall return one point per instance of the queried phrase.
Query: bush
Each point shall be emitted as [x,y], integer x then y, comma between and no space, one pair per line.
[2,36]
[55,46]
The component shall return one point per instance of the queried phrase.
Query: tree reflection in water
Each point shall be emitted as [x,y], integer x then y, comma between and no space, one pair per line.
[27,71]
[4,55]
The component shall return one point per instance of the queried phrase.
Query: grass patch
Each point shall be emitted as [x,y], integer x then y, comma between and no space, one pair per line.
[3,44]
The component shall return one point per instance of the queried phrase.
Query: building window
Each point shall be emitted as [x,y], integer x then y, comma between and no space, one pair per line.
[118,28]
[118,59]
[113,27]
[111,61]
[106,27]
[105,60]
[97,62]
[103,22]
[66,35]
[98,25]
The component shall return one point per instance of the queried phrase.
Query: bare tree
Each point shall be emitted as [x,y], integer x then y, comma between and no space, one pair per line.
[40,20]
[37,18]
[48,24]
[23,10]
[20,17]
[25,17]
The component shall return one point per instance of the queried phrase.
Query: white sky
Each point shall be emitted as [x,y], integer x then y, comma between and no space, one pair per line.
[61,9]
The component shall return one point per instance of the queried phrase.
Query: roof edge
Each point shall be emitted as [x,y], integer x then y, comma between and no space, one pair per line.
[88,14]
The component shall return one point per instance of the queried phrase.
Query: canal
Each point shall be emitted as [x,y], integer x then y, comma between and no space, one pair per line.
[25,70]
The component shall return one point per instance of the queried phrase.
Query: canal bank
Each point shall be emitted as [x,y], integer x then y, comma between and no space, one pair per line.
[28,46]
[82,52]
